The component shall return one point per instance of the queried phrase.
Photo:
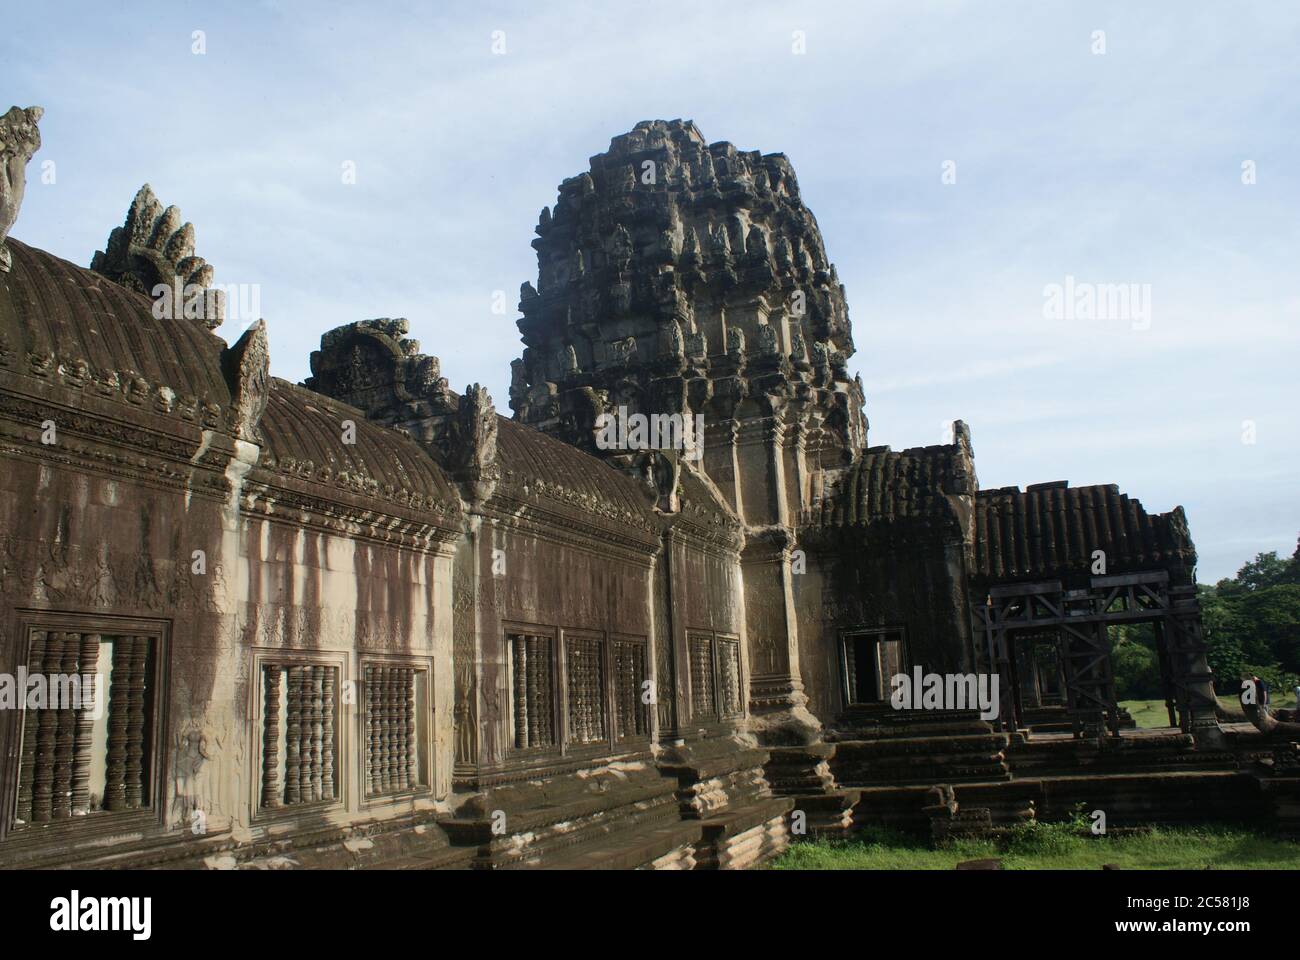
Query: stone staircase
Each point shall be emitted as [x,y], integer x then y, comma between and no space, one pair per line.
[626,813]
[880,746]
[990,781]
[723,788]
[697,806]
[1150,751]
[821,806]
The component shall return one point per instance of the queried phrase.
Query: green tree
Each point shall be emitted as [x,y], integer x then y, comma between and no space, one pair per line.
[1252,621]
[1266,570]
[1137,671]
[1270,625]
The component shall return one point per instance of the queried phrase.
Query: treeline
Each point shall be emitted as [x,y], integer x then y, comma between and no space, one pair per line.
[1252,624]
[1252,627]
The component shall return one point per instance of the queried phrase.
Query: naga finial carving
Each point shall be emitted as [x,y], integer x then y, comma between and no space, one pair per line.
[19,139]
[155,247]
[472,444]
[247,368]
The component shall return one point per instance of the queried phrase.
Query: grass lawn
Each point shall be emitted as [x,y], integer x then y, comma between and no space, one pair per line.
[1152,713]
[1055,847]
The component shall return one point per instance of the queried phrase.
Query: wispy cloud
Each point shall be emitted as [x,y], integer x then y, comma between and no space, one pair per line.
[977,370]
[1122,167]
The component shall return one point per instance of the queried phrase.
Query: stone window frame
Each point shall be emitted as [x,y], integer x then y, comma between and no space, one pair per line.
[423,665]
[644,709]
[878,632]
[699,715]
[716,716]
[721,640]
[101,823]
[289,657]
[509,629]
[564,745]
[568,744]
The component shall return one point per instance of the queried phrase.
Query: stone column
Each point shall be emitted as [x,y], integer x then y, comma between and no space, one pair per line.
[1187,658]
[778,704]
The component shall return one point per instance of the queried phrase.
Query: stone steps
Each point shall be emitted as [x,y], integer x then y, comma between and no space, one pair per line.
[745,837]
[1128,799]
[884,722]
[451,858]
[900,747]
[921,760]
[668,846]
[1147,753]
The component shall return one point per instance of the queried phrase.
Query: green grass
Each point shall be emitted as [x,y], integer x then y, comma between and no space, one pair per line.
[1147,713]
[1152,713]
[1055,847]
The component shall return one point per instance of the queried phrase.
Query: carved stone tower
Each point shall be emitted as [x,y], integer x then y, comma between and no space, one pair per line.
[679,277]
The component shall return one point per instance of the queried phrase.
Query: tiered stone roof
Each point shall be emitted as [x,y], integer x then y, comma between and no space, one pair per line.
[1051,530]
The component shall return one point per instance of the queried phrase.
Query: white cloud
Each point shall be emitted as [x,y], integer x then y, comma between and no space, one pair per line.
[1117,168]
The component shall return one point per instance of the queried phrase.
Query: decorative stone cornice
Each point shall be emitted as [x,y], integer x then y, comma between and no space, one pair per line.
[304,504]
[121,386]
[353,482]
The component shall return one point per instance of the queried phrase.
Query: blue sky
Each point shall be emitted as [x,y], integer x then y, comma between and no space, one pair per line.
[1119,167]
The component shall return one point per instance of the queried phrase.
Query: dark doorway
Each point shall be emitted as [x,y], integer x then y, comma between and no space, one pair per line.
[869,660]
[1038,665]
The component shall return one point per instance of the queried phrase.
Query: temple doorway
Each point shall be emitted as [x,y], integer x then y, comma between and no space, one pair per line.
[869,659]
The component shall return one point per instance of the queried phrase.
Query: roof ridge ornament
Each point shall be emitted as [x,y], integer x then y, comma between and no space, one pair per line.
[246,366]
[19,139]
[154,247]
[471,445]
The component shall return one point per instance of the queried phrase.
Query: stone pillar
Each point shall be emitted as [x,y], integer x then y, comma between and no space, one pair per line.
[1190,669]
[749,314]
[721,461]
[778,704]
[760,472]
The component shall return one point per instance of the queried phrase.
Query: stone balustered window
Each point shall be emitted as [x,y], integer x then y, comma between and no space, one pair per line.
[717,688]
[631,718]
[395,699]
[87,736]
[730,702]
[703,697]
[532,689]
[585,675]
[299,733]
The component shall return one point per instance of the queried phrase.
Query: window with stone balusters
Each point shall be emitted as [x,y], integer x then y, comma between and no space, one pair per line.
[730,696]
[631,712]
[299,733]
[717,691]
[703,689]
[85,711]
[592,668]
[584,665]
[532,689]
[395,698]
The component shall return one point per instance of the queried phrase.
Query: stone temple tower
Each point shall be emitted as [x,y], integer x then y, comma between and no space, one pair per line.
[681,277]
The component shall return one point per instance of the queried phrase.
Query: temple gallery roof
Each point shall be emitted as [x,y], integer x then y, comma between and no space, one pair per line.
[1052,530]
[371,364]
[71,327]
[885,486]
[56,314]
[304,434]
[529,456]
[534,464]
